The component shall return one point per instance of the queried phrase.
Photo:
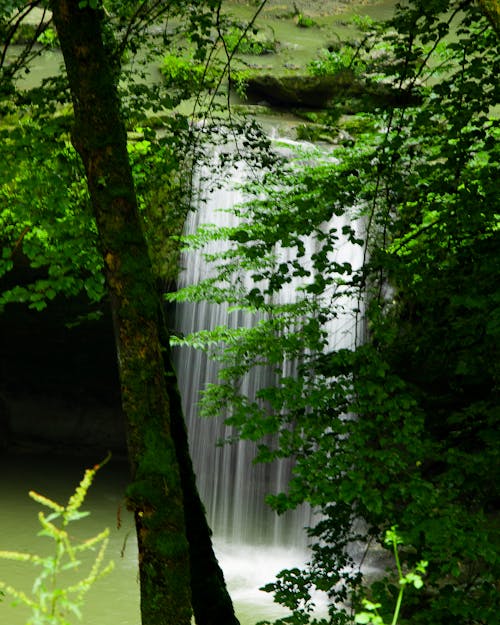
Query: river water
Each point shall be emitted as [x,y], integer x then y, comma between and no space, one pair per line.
[115,598]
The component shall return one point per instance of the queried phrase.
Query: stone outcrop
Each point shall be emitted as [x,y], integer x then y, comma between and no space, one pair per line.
[58,384]
[318,92]
[298,90]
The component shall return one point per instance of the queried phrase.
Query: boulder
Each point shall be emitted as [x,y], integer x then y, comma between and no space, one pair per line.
[318,92]
[301,91]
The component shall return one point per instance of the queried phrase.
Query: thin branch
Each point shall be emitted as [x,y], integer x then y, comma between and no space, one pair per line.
[14,22]
[142,18]
[28,54]
[230,54]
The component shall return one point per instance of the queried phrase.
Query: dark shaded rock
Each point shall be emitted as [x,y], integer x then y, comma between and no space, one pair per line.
[299,90]
[319,92]
[4,423]
[58,383]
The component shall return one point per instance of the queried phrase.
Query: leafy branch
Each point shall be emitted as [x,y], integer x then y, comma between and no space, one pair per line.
[49,601]
[413,578]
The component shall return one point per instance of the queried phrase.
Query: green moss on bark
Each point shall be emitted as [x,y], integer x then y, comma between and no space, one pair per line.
[155,494]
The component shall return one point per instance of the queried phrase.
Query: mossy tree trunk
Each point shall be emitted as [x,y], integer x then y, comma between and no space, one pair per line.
[163,492]
[155,494]
[491,9]
[211,602]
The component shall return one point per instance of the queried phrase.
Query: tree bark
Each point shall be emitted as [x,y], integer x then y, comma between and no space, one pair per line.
[491,9]
[155,493]
[211,602]
[163,492]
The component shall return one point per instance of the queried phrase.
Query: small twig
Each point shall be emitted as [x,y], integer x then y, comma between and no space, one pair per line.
[19,241]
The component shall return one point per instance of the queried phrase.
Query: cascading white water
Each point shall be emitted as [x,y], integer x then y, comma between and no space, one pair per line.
[252,541]
[231,487]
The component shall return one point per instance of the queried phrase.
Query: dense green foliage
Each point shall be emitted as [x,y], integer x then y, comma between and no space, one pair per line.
[49,238]
[45,211]
[401,426]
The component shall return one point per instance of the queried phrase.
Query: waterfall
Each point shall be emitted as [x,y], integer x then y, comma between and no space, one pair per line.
[247,532]
[231,487]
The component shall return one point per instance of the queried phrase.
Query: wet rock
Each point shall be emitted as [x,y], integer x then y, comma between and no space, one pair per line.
[299,90]
[319,92]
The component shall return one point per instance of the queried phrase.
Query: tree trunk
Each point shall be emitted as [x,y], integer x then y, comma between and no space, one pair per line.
[163,491]
[491,9]
[155,494]
[211,602]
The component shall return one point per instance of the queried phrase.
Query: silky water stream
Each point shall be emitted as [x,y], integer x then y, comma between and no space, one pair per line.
[251,542]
